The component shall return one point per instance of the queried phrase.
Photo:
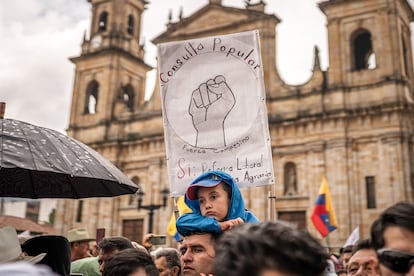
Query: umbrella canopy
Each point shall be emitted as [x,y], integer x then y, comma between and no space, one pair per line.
[37,162]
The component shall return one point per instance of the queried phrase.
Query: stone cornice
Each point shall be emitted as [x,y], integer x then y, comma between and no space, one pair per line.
[94,55]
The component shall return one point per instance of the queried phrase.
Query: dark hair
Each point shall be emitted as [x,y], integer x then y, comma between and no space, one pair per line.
[114,243]
[227,189]
[172,256]
[251,248]
[127,261]
[362,244]
[400,214]
[346,249]
[213,236]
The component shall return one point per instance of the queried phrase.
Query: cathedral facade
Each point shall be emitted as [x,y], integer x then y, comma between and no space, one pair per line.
[353,123]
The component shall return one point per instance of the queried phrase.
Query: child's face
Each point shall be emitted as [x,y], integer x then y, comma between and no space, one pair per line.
[214,202]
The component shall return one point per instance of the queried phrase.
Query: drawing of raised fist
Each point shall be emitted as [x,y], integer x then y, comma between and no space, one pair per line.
[209,107]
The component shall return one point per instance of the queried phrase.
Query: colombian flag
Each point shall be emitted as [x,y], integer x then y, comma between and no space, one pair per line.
[323,214]
[182,208]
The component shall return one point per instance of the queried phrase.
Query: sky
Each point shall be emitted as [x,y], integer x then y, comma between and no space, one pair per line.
[39,37]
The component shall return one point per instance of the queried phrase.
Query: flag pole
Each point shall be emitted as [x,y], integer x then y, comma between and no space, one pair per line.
[2,109]
[176,213]
[271,212]
[328,245]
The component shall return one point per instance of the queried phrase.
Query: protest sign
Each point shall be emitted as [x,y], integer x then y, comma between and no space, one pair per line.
[214,109]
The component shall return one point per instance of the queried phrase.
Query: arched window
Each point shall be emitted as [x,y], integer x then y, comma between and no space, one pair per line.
[363,56]
[103,22]
[130,28]
[127,96]
[290,180]
[92,92]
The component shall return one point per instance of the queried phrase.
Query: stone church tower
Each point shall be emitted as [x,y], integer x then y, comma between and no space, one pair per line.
[352,123]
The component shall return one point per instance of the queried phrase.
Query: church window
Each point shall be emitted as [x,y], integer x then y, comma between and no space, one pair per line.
[92,92]
[127,96]
[405,56]
[103,22]
[32,210]
[79,211]
[130,28]
[363,56]
[370,189]
[290,181]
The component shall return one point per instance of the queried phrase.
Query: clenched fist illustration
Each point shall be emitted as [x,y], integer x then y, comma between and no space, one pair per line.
[209,107]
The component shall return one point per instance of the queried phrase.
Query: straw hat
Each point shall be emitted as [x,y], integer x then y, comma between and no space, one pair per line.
[10,250]
[78,235]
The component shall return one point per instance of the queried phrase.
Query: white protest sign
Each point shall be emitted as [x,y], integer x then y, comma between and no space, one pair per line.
[214,109]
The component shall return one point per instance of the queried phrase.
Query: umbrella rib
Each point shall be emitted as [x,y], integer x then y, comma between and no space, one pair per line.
[52,133]
[80,144]
[20,126]
[104,167]
[77,195]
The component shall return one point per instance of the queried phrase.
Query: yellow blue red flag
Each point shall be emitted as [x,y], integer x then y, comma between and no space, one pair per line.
[182,208]
[323,214]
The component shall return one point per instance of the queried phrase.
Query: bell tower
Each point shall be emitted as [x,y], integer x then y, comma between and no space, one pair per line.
[369,42]
[110,73]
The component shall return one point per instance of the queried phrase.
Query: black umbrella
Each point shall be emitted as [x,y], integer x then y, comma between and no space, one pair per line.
[37,162]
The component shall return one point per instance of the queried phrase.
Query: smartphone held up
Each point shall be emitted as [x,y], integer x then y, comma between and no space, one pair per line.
[158,240]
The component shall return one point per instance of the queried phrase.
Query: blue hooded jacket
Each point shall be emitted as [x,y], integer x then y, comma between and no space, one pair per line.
[195,222]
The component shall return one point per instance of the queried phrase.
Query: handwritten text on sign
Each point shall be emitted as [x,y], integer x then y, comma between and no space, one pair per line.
[191,51]
[214,110]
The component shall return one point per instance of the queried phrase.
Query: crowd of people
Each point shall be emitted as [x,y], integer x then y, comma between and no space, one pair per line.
[221,238]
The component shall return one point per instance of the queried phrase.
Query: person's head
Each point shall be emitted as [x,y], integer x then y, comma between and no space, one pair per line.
[79,239]
[110,246]
[392,235]
[197,253]
[130,262]
[57,249]
[167,261]
[364,259]
[213,190]
[269,248]
[346,255]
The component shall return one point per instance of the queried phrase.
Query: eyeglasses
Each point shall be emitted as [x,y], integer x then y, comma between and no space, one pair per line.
[396,260]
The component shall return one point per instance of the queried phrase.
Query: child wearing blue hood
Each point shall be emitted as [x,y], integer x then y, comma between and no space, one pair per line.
[216,203]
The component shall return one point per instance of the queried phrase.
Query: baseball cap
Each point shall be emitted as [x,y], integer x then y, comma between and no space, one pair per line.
[208,179]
